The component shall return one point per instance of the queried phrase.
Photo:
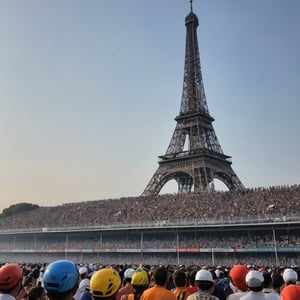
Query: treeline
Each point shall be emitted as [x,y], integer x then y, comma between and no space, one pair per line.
[17,208]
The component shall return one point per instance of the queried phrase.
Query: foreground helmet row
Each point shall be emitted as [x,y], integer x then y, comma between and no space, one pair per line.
[62,276]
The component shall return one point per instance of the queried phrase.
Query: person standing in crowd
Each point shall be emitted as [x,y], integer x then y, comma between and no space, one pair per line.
[205,284]
[140,282]
[268,289]
[84,282]
[60,280]
[11,277]
[221,285]
[192,288]
[290,292]
[127,287]
[105,284]
[159,290]
[37,293]
[237,276]
[84,289]
[290,276]
[181,285]
[255,283]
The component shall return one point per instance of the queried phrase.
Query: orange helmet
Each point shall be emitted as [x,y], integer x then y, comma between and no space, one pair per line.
[238,276]
[10,275]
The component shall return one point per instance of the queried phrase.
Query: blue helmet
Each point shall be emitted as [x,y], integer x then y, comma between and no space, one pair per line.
[60,276]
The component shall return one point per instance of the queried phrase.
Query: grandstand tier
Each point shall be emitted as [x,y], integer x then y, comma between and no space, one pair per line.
[253,226]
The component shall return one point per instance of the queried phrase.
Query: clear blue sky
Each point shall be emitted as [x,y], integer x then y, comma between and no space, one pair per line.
[89,91]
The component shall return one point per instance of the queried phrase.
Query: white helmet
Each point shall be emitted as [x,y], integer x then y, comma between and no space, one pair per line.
[290,276]
[128,273]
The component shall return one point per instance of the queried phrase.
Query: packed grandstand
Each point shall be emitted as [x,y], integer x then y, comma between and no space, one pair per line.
[259,226]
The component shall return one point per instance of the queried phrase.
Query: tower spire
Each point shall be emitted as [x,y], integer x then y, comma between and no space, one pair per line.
[191,2]
[194,157]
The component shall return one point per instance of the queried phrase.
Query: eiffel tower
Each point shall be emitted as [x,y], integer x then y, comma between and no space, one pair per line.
[194,157]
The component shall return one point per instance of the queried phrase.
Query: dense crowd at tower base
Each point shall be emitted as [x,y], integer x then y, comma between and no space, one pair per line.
[179,264]
[64,280]
[273,203]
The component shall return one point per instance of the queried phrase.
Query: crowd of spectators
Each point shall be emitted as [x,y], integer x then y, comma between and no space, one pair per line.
[273,203]
[152,258]
[166,242]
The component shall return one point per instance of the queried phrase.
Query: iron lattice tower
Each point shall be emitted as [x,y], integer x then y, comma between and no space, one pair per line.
[194,157]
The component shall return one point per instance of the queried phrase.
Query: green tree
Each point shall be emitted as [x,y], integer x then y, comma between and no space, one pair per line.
[17,208]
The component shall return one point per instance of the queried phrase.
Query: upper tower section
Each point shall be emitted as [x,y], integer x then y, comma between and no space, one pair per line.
[193,95]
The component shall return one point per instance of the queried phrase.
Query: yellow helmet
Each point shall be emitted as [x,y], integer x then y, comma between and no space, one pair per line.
[140,277]
[105,283]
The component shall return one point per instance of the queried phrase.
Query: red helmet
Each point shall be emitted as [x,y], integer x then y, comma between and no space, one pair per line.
[10,275]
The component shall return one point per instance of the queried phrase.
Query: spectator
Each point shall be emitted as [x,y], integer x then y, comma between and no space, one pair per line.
[277,282]
[290,276]
[290,292]
[127,287]
[84,282]
[205,284]
[84,290]
[180,283]
[192,288]
[159,291]
[237,275]
[268,290]
[37,293]
[11,276]
[222,284]
[255,282]
[61,280]
[105,284]
[140,282]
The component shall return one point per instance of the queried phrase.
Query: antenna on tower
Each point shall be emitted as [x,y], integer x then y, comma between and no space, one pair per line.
[191,1]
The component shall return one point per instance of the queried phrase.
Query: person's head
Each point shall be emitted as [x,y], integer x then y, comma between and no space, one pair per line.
[140,281]
[290,292]
[140,278]
[11,276]
[128,275]
[204,280]
[160,276]
[219,272]
[83,272]
[37,293]
[290,276]
[179,278]
[255,280]
[192,276]
[277,282]
[267,279]
[61,279]
[105,284]
[237,275]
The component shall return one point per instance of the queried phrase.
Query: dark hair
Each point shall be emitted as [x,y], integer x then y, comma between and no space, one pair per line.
[277,281]
[256,288]
[160,276]
[180,278]
[267,279]
[60,296]
[204,285]
[139,289]
[192,277]
[36,292]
